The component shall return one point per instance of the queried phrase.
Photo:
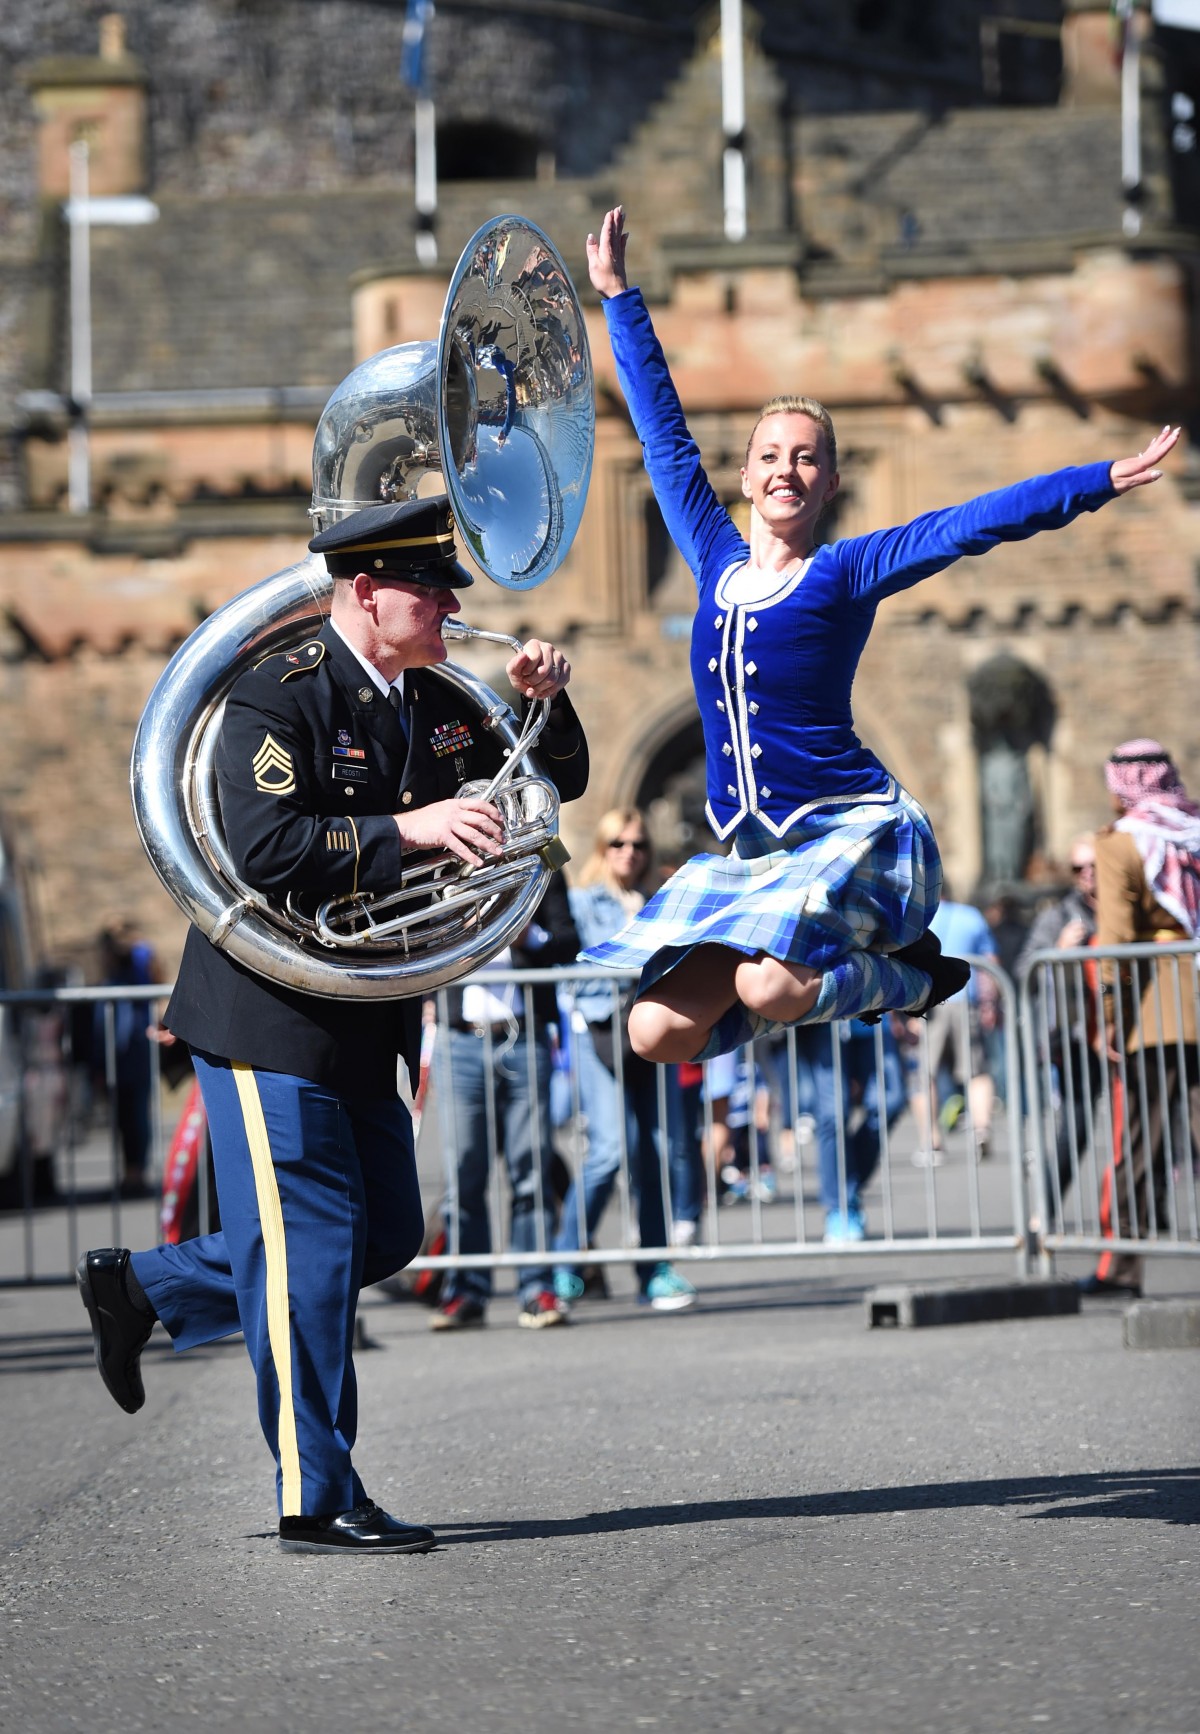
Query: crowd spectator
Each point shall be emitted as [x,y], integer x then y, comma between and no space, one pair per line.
[613,885]
[685,1108]
[1065,925]
[736,1092]
[493,1080]
[956,1046]
[127,961]
[869,1095]
[1147,889]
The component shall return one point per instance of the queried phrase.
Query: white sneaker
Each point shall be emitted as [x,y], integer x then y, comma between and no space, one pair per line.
[927,1158]
[683,1234]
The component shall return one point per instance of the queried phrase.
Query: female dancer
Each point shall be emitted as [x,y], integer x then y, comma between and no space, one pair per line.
[821,912]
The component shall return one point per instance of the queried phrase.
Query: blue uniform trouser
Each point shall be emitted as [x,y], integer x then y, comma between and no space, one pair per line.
[318,1194]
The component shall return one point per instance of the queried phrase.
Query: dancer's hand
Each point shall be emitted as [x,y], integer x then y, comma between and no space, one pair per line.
[1129,473]
[606,256]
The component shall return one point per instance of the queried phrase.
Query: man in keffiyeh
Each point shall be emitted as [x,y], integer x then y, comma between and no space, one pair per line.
[1148,889]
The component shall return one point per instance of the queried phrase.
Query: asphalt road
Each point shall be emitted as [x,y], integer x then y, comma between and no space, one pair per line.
[757,1516]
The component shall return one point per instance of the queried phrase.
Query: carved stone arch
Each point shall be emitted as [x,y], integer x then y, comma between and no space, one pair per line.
[663,773]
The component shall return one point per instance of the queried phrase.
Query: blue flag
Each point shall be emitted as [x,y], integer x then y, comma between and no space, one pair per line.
[412,49]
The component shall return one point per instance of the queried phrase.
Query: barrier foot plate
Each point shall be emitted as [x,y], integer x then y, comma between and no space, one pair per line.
[911,1306]
[1165,1324]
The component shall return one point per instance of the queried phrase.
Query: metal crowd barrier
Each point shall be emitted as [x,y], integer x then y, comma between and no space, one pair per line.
[1113,1098]
[62,1186]
[820,1107]
[963,1203]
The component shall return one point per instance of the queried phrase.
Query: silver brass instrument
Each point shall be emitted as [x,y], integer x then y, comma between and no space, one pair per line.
[503,407]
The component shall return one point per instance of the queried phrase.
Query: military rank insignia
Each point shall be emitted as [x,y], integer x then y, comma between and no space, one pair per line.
[272,765]
[450,737]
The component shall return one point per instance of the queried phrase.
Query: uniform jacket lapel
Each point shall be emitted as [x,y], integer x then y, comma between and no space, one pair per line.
[372,710]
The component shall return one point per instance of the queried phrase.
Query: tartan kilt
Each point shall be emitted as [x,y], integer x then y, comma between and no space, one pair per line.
[843,879]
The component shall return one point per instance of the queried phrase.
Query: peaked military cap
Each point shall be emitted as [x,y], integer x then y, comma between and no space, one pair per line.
[412,539]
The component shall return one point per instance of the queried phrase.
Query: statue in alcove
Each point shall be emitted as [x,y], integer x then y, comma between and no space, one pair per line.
[1011,711]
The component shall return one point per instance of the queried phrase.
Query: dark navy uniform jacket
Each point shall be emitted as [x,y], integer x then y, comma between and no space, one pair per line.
[311,762]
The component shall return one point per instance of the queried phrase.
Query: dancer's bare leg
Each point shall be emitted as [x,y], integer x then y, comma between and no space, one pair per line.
[776,990]
[675,1019]
[672,1022]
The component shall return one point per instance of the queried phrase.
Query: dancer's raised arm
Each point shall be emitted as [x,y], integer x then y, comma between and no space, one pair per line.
[606,255]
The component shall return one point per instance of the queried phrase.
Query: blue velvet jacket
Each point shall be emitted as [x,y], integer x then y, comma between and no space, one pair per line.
[774,655]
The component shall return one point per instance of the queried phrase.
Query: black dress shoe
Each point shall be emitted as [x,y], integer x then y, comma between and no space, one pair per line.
[362,1529]
[119,1327]
[1105,1285]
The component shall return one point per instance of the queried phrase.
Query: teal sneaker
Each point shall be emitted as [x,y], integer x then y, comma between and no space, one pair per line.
[667,1291]
[841,1228]
[568,1285]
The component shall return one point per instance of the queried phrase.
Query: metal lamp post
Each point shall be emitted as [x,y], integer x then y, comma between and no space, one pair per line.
[82,212]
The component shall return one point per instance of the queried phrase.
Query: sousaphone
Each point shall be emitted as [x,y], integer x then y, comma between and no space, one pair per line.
[500,413]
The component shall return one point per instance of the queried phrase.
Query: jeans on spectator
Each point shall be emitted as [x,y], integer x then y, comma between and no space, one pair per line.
[684,1108]
[521,1131]
[860,1089]
[600,1099]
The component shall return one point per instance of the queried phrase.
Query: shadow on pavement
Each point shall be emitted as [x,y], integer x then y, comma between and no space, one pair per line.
[1165,1495]
[66,1351]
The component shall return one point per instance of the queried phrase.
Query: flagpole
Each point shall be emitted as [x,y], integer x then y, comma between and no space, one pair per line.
[425,126]
[79,481]
[1131,117]
[733,120]
[417,18]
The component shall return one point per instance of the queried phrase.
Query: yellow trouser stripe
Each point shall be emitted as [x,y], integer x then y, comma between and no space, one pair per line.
[279,1324]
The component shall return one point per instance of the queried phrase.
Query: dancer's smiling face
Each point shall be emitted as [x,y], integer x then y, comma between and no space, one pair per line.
[788,476]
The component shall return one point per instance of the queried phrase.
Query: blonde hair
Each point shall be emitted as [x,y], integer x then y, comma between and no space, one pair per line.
[597,869]
[794,404]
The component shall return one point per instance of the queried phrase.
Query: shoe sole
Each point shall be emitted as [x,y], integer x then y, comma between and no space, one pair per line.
[83,1283]
[541,1321]
[674,1304]
[441,1324]
[290,1546]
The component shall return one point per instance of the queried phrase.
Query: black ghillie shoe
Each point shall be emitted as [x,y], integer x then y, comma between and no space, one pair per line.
[948,975]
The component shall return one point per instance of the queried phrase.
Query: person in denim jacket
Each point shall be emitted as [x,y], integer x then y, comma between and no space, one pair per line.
[613,886]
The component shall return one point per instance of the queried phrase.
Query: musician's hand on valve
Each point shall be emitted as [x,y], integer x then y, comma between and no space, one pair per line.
[606,254]
[470,829]
[539,671]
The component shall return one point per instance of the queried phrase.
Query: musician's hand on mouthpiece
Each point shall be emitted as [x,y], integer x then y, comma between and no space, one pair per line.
[539,671]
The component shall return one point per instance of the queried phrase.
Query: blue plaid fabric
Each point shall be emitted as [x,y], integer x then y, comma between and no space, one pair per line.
[847,879]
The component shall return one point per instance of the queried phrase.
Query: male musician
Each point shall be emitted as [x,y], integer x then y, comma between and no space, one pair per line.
[335,760]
